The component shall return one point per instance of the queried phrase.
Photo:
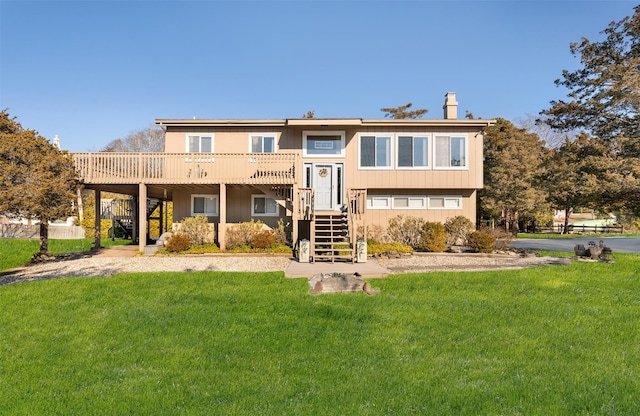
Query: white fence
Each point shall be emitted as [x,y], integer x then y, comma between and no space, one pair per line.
[56,232]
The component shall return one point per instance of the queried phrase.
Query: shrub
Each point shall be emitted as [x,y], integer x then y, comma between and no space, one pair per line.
[374,233]
[433,237]
[457,230]
[482,242]
[196,229]
[406,230]
[503,237]
[242,234]
[375,248]
[177,243]
[282,232]
[263,240]
[202,249]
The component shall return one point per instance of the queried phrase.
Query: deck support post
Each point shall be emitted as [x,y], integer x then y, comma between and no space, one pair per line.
[222,225]
[98,217]
[295,216]
[142,216]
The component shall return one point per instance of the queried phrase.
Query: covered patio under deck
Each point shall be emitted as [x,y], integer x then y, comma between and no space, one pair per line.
[158,175]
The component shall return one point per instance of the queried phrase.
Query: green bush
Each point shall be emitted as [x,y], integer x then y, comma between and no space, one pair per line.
[197,229]
[503,237]
[406,230]
[263,240]
[202,249]
[283,232]
[275,249]
[241,234]
[374,248]
[482,242]
[433,237]
[177,243]
[374,233]
[457,230]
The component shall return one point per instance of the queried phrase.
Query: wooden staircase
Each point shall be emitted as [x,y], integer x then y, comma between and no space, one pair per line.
[122,211]
[282,194]
[331,238]
[333,233]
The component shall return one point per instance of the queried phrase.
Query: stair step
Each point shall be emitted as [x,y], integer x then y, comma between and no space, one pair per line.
[332,237]
[332,246]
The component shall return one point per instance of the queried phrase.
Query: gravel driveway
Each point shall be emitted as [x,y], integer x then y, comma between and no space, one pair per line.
[110,262]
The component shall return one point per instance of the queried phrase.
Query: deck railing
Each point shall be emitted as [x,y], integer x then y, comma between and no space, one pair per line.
[306,202]
[357,208]
[186,168]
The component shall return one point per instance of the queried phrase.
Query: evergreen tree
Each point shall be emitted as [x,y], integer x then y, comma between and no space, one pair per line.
[577,173]
[37,180]
[604,99]
[604,95]
[403,112]
[513,164]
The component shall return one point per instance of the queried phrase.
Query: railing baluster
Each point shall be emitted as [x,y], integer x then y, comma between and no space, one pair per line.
[245,168]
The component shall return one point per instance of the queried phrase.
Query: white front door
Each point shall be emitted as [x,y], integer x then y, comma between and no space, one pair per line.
[323,186]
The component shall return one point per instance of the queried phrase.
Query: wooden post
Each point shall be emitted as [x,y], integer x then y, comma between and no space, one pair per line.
[142,217]
[295,215]
[98,217]
[222,225]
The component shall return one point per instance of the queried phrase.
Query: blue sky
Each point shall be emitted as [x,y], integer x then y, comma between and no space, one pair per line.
[93,71]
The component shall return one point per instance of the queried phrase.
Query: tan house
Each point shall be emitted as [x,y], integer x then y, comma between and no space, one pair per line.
[325,177]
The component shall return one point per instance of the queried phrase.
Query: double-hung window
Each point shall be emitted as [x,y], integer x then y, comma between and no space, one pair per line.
[262,143]
[375,151]
[199,143]
[450,152]
[413,151]
[263,206]
[204,205]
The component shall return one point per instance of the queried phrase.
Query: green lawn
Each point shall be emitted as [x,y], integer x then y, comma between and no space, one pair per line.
[545,341]
[15,252]
[547,236]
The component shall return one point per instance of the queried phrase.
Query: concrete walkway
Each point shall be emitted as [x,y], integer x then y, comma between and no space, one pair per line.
[295,269]
[367,270]
[117,251]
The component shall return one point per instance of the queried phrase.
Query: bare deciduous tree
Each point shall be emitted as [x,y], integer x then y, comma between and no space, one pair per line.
[148,140]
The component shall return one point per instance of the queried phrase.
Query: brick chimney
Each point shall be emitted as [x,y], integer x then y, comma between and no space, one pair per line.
[450,106]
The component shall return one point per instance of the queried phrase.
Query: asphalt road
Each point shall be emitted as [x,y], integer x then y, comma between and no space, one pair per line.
[617,244]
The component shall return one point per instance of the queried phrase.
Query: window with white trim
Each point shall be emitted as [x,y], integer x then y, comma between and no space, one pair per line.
[412,151]
[262,143]
[323,144]
[199,143]
[375,151]
[450,152]
[204,205]
[409,202]
[378,202]
[445,202]
[263,206]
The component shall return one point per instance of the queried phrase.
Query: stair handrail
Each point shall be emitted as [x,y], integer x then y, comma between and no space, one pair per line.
[356,209]
[306,203]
